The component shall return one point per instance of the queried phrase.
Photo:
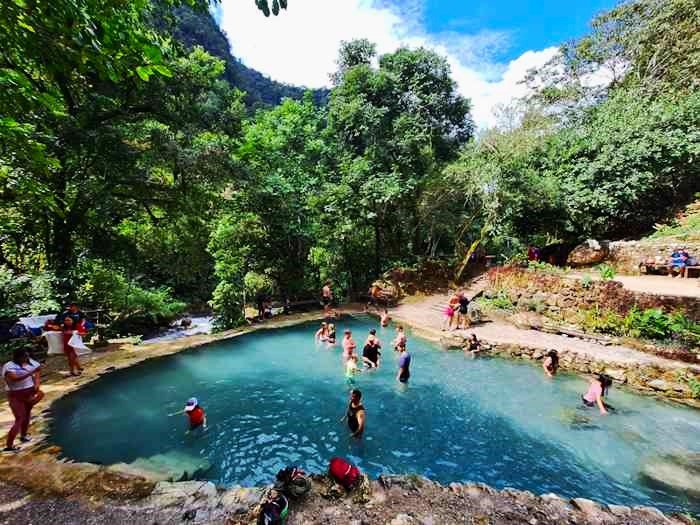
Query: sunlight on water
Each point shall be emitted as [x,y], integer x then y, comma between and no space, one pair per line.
[275,398]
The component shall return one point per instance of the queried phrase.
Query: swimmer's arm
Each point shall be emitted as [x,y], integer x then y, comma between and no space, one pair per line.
[176,413]
[601,405]
[204,423]
[360,423]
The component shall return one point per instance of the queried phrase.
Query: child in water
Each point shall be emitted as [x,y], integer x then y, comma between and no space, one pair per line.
[322,333]
[195,414]
[596,392]
[351,369]
[551,363]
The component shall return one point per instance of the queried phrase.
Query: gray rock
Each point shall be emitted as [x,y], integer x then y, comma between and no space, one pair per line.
[619,510]
[403,519]
[676,471]
[660,384]
[617,374]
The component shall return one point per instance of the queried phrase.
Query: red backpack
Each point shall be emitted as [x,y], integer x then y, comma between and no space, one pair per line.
[343,472]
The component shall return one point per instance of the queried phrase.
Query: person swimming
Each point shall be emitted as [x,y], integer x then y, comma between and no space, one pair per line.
[370,352]
[551,363]
[195,414]
[322,333]
[330,338]
[596,393]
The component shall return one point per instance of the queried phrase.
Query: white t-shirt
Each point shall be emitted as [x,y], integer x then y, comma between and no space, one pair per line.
[27,382]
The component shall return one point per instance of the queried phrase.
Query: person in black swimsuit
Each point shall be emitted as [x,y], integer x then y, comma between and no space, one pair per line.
[463,320]
[371,353]
[355,414]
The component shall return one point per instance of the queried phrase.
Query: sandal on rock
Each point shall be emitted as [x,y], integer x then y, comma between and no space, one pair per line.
[11,449]
[25,439]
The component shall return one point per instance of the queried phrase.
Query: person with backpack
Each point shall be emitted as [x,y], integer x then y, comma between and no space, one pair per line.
[355,414]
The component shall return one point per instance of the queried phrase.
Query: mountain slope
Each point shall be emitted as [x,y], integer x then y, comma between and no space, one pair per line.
[195,28]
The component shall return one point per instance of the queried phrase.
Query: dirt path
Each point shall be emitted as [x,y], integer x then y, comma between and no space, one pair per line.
[656,284]
[426,315]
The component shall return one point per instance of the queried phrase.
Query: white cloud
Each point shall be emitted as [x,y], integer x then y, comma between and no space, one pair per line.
[300,45]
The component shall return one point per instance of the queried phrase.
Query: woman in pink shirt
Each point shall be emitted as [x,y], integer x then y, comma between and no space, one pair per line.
[596,392]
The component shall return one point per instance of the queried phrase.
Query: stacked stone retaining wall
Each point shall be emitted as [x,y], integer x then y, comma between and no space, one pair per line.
[626,255]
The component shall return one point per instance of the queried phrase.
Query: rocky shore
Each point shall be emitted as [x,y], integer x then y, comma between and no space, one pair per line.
[394,500]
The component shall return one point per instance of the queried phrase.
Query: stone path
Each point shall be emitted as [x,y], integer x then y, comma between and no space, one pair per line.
[426,315]
[655,284]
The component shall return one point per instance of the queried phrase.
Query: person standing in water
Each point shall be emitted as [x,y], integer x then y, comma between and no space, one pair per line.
[355,414]
[596,392]
[322,333]
[330,339]
[370,352]
[384,318]
[551,363]
[351,369]
[400,339]
[349,345]
[404,365]
[195,414]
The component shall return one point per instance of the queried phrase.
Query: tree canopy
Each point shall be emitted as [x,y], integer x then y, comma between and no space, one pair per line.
[143,168]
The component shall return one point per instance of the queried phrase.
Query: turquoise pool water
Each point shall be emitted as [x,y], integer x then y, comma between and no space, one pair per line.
[274,398]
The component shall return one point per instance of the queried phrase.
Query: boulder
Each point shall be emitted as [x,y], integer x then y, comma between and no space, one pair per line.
[587,253]
[527,320]
[677,471]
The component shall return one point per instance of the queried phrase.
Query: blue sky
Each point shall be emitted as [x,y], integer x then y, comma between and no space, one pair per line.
[526,25]
[490,45]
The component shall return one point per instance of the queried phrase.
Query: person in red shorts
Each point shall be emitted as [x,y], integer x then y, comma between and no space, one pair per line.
[195,414]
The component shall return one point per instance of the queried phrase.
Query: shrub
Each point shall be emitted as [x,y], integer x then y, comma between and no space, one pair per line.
[26,294]
[136,308]
[601,321]
[541,266]
[607,272]
[652,323]
[586,281]
[227,302]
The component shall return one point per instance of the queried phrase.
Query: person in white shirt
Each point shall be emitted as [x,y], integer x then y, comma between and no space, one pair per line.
[22,382]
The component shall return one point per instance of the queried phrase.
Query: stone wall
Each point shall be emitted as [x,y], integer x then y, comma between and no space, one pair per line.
[646,379]
[626,255]
[555,293]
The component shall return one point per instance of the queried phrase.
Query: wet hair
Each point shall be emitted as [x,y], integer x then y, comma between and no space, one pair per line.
[356,392]
[347,331]
[400,327]
[19,355]
[605,382]
[373,331]
[554,356]
[472,337]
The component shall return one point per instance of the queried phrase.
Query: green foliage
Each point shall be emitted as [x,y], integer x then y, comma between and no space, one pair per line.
[26,294]
[107,287]
[652,323]
[544,267]
[500,301]
[602,321]
[586,281]
[607,272]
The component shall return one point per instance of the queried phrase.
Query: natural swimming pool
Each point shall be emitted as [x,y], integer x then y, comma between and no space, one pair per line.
[274,398]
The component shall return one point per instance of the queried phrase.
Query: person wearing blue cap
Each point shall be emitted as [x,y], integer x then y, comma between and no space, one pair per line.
[195,414]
